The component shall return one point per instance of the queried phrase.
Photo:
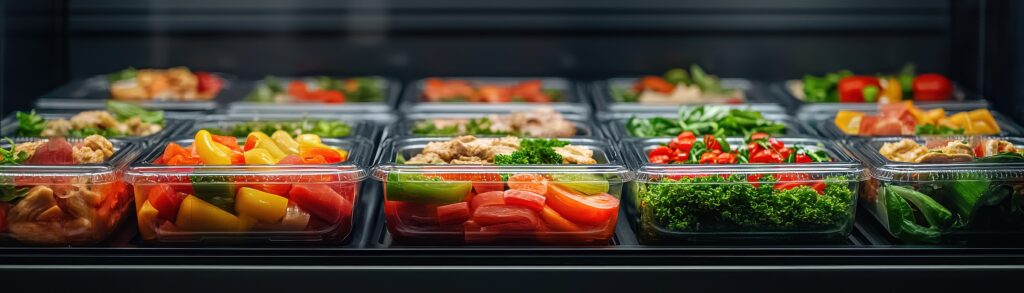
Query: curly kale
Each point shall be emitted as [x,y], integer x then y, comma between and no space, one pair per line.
[475,126]
[713,203]
[533,152]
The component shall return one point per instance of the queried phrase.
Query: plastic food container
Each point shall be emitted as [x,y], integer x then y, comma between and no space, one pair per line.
[828,128]
[673,203]
[983,200]
[64,204]
[365,126]
[405,126]
[421,201]
[172,123]
[389,87]
[616,128]
[608,108]
[230,203]
[817,111]
[572,102]
[93,93]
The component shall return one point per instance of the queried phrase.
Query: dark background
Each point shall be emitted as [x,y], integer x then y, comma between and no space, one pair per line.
[47,43]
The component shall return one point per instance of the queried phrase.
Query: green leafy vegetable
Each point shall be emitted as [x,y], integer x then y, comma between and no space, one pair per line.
[533,152]
[323,128]
[11,193]
[126,74]
[124,111]
[715,120]
[11,156]
[475,126]
[932,129]
[823,89]
[356,89]
[30,124]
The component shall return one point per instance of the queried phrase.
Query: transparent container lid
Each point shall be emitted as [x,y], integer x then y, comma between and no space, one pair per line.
[172,123]
[609,164]
[405,127]
[819,111]
[616,128]
[360,125]
[98,173]
[93,93]
[883,169]
[828,128]
[608,108]
[842,161]
[353,169]
[572,102]
[390,88]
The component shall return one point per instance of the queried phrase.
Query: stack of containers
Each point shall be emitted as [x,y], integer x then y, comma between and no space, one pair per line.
[482,203]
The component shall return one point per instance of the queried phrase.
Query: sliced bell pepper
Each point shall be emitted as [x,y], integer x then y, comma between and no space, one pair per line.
[259,157]
[321,201]
[198,215]
[210,151]
[329,155]
[217,190]
[313,141]
[147,221]
[417,188]
[285,142]
[262,206]
[452,214]
[260,140]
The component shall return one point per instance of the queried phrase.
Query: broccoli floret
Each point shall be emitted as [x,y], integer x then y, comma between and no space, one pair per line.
[533,152]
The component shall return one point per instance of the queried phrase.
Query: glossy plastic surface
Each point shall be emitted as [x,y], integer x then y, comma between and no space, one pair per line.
[562,216]
[405,127]
[616,128]
[608,108]
[674,203]
[828,128]
[9,126]
[391,89]
[573,102]
[93,93]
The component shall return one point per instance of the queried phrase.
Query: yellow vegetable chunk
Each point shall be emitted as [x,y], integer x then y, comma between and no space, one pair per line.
[285,142]
[197,215]
[210,151]
[147,221]
[986,118]
[263,141]
[263,206]
[259,157]
[849,121]
[934,115]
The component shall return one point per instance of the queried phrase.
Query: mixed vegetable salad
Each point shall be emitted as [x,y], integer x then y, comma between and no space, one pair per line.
[60,208]
[463,91]
[714,120]
[846,87]
[460,206]
[678,86]
[173,84]
[905,119]
[260,202]
[940,201]
[118,120]
[321,89]
[318,127]
[779,201]
[540,122]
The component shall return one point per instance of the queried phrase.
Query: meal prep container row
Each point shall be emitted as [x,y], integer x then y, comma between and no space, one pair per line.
[826,127]
[173,122]
[573,101]
[405,127]
[616,128]
[391,89]
[607,107]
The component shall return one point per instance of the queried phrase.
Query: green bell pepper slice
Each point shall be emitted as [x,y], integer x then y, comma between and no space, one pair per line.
[417,188]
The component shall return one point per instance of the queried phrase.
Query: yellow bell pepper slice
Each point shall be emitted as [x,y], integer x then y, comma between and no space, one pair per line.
[934,115]
[263,141]
[210,151]
[259,157]
[199,216]
[147,221]
[263,206]
[986,118]
[961,120]
[892,92]
[284,141]
[313,141]
[849,121]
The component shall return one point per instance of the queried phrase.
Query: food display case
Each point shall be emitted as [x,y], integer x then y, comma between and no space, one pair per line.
[533,145]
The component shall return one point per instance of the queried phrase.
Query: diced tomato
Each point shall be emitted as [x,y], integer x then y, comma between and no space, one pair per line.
[681,156]
[329,156]
[486,199]
[660,155]
[587,210]
[534,183]
[711,143]
[776,144]
[785,152]
[165,200]
[207,83]
[754,179]
[655,83]
[932,87]
[298,90]
[514,217]
[759,135]
[707,158]
[851,88]
[979,151]
[726,158]
[320,201]
[326,96]
[819,187]
[452,214]
[526,199]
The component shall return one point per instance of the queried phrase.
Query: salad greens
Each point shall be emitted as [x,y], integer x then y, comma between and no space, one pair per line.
[824,89]
[708,84]
[356,89]
[322,128]
[124,111]
[10,156]
[934,129]
[32,124]
[701,120]
[738,203]
[475,126]
[533,152]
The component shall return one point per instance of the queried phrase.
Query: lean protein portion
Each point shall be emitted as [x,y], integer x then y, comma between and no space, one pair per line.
[540,122]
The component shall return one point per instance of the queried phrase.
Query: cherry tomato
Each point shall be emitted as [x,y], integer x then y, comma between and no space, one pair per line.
[802,158]
[785,152]
[486,199]
[932,87]
[707,158]
[207,83]
[776,144]
[711,143]
[681,156]
[726,158]
[660,155]
[298,90]
[761,156]
[851,88]
[654,83]
[587,210]
[979,151]
[452,214]
[526,199]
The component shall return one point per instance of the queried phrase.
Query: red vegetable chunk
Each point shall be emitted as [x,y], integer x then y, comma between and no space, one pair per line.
[56,151]
[451,214]
[321,201]
[525,199]
[487,198]
[510,217]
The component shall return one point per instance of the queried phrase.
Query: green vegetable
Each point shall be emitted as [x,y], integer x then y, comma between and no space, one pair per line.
[677,76]
[932,129]
[323,128]
[124,111]
[417,188]
[30,124]
[10,193]
[216,190]
[1002,158]
[625,95]
[906,79]
[586,183]
[870,93]
[713,203]
[475,126]
[533,152]
[706,82]
[92,130]
[934,213]
[902,223]
[357,89]
[823,89]
[10,156]
[715,120]
[126,74]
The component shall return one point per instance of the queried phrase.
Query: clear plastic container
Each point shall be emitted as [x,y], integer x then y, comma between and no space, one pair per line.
[64,205]
[9,126]
[969,201]
[247,203]
[828,128]
[365,126]
[616,128]
[673,203]
[390,88]
[572,102]
[93,93]
[455,204]
[405,127]
[817,111]
[608,108]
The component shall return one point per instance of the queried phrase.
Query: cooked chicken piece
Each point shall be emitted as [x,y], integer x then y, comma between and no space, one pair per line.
[540,122]
[443,150]
[425,158]
[93,149]
[906,150]
[57,127]
[499,150]
[40,218]
[508,141]
[135,127]
[576,155]
[38,201]
[93,119]
[28,147]
[128,90]
[183,83]
[469,160]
